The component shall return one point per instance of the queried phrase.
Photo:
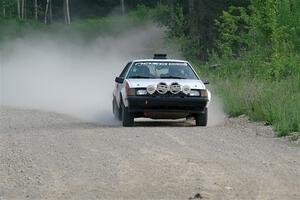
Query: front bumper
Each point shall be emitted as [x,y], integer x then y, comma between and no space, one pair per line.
[183,104]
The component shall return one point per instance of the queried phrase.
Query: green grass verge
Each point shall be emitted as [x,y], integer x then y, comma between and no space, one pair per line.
[245,86]
[276,103]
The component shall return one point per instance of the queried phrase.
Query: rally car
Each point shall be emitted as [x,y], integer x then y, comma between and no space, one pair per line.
[160,88]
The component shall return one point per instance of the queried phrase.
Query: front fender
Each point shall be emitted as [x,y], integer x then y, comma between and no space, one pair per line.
[124,97]
[209,98]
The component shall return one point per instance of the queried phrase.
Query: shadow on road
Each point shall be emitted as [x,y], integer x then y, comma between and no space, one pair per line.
[163,123]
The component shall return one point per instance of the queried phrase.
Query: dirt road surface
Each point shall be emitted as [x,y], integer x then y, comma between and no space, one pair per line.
[52,156]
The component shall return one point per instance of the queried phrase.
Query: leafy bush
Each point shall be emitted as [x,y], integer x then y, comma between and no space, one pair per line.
[259,55]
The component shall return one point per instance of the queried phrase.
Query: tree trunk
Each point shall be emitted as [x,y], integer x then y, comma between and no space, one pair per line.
[50,12]
[3,9]
[19,8]
[172,10]
[191,7]
[35,9]
[123,7]
[192,17]
[46,12]
[68,12]
[23,9]
[64,8]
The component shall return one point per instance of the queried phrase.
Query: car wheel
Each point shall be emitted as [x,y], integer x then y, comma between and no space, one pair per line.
[127,117]
[201,118]
[116,110]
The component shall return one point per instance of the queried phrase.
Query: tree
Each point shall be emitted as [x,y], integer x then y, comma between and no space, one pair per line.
[19,8]
[123,7]
[46,11]
[67,11]
[36,9]
[3,9]
[50,11]
[191,15]
[23,8]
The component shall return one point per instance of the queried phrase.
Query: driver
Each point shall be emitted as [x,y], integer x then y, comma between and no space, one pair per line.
[174,71]
[143,70]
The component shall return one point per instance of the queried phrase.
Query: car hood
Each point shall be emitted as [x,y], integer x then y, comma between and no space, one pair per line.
[143,83]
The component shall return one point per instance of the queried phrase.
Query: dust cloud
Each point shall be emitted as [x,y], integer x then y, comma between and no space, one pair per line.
[52,74]
[72,77]
[216,114]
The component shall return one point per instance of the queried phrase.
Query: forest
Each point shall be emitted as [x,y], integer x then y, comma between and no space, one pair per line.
[249,49]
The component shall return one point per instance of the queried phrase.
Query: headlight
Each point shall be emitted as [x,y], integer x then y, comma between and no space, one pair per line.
[141,92]
[186,89]
[204,93]
[194,93]
[151,89]
[129,91]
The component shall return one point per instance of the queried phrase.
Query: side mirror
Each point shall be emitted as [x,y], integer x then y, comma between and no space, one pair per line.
[119,80]
[206,82]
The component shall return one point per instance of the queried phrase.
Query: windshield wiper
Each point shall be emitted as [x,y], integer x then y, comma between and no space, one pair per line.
[172,77]
[141,77]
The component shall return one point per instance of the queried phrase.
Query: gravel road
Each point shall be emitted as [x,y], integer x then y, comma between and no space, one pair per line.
[52,156]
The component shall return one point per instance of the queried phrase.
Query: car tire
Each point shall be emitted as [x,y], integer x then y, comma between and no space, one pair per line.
[201,118]
[127,117]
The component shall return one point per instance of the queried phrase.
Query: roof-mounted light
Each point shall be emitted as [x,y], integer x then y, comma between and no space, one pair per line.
[160,56]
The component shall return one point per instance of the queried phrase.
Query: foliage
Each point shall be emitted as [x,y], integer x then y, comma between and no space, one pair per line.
[260,73]
[272,26]
[9,5]
[191,22]
[89,29]
[274,102]
[233,26]
[80,9]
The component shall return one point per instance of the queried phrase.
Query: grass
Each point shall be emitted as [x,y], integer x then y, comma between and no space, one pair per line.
[276,103]
[246,88]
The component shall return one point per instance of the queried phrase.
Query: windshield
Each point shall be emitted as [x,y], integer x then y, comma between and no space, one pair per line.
[161,70]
